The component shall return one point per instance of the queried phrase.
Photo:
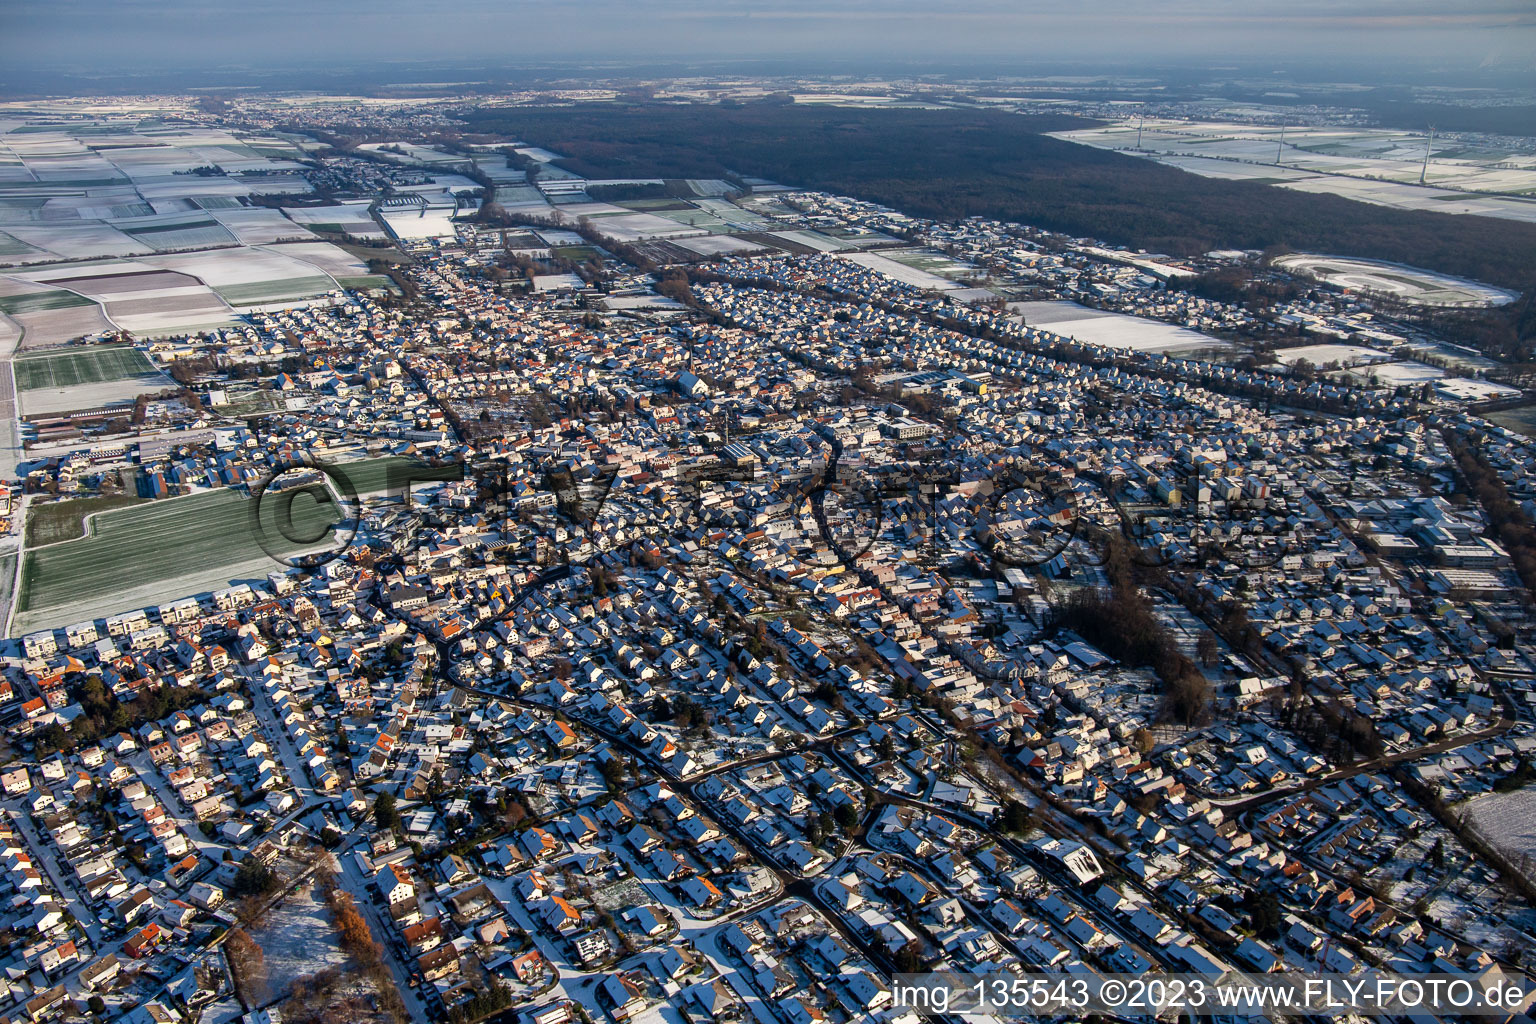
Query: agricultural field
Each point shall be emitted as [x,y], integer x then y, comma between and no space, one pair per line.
[137,297]
[719,245]
[258,226]
[813,241]
[10,245]
[174,234]
[80,366]
[631,226]
[327,258]
[1407,284]
[351,218]
[900,271]
[168,548]
[44,316]
[55,521]
[420,222]
[109,187]
[1386,167]
[72,241]
[42,301]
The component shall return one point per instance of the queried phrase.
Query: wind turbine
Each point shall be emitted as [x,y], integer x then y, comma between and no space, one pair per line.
[1280,145]
[1428,145]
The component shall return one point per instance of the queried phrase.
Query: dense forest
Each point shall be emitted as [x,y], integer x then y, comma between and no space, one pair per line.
[951,163]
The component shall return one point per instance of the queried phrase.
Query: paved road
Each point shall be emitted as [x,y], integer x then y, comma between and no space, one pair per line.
[174,810]
[277,733]
[1246,804]
[45,854]
[349,876]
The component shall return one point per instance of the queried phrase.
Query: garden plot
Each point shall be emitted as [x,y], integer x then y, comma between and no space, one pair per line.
[1115,330]
[1410,284]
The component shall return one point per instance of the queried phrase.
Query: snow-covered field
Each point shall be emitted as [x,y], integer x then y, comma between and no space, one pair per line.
[901,272]
[633,227]
[416,222]
[1381,166]
[78,240]
[1399,374]
[716,245]
[814,240]
[1116,330]
[1508,820]
[1411,284]
[297,939]
[1320,355]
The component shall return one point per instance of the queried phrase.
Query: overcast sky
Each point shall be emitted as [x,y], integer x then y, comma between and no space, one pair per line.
[113,35]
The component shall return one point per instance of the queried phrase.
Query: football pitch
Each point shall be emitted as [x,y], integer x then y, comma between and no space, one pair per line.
[65,368]
[136,556]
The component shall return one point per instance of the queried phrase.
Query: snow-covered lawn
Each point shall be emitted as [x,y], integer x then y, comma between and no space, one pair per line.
[297,939]
[1508,820]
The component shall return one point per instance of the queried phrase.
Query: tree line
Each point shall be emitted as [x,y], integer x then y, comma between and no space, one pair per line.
[950,164]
